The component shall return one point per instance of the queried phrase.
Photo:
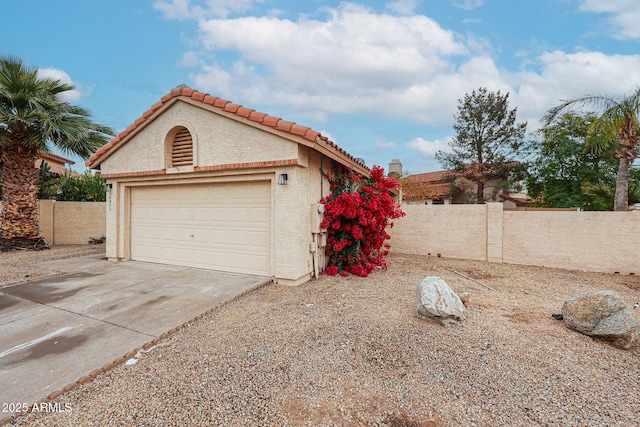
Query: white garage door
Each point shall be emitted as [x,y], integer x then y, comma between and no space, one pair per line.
[215,226]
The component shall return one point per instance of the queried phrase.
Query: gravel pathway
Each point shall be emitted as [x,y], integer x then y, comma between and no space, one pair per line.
[351,351]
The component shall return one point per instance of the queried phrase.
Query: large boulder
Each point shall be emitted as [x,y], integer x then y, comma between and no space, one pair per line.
[603,315]
[437,301]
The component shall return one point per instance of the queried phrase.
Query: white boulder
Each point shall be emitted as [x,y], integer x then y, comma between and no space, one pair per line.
[437,301]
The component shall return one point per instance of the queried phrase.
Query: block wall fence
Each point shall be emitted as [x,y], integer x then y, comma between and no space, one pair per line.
[71,223]
[607,242]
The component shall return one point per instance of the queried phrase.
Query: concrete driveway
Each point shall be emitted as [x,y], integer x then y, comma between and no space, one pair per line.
[55,330]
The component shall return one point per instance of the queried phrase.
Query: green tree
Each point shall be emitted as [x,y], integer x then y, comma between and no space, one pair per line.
[488,141]
[88,187]
[603,195]
[47,180]
[564,167]
[618,126]
[33,117]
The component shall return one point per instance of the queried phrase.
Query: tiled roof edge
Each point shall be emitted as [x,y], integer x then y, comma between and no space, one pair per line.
[227,106]
[54,156]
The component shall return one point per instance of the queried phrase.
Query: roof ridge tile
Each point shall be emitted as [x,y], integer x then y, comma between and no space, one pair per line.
[244,111]
[220,102]
[284,125]
[257,116]
[232,108]
[271,121]
[198,96]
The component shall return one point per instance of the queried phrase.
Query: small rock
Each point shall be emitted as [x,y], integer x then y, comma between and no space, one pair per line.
[464,297]
[557,316]
[603,315]
[437,301]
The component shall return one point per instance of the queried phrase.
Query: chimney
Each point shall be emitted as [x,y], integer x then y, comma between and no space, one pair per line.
[395,169]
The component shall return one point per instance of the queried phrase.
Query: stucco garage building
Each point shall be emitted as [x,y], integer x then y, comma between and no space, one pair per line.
[199,181]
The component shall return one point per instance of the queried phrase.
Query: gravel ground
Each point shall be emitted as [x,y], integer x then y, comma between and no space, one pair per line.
[21,266]
[351,351]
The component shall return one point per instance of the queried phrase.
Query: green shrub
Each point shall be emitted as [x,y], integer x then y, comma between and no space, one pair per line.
[87,187]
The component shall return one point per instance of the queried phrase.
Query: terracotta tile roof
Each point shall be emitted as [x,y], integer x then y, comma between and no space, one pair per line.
[519,201]
[51,159]
[227,106]
[48,155]
[429,185]
[432,177]
[440,190]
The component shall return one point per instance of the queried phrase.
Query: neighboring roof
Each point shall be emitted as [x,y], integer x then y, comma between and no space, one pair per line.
[433,177]
[519,201]
[287,129]
[48,155]
[429,185]
[49,158]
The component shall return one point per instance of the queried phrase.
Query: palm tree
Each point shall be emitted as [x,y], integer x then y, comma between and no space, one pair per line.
[618,123]
[34,117]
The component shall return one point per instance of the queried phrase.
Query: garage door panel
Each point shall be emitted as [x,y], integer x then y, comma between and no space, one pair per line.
[218,214]
[168,213]
[218,226]
[259,239]
[258,262]
[257,213]
[238,214]
[183,213]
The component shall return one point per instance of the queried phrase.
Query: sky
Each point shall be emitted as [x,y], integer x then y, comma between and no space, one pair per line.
[382,79]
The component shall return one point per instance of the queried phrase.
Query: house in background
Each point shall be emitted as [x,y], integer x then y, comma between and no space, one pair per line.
[57,164]
[201,182]
[516,201]
[448,187]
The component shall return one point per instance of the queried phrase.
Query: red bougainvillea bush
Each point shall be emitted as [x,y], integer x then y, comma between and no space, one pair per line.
[356,216]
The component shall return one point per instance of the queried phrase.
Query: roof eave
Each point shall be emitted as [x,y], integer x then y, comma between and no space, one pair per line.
[288,130]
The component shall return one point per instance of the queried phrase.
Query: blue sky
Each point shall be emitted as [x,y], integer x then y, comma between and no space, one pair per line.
[381,79]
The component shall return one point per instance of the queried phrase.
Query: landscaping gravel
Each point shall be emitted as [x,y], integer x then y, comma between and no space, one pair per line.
[21,266]
[351,351]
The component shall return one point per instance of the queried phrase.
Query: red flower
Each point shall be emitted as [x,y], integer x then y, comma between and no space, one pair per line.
[356,215]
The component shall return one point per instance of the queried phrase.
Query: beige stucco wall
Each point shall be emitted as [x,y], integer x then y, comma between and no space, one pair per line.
[71,223]
[293,216]
[456,231]
[211,134]
[590,241]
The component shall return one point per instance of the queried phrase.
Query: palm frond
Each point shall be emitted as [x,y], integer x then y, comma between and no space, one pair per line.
[32,111]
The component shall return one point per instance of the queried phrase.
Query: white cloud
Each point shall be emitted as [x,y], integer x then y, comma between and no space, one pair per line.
[624,16]
[174,9]
[354,60]
[57,74]
[385,145]
[402,7]
[184,9]
[428,149]
[468,4]
[191,59]
[566,76]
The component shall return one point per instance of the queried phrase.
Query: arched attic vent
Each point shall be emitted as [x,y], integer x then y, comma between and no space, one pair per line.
[182,148]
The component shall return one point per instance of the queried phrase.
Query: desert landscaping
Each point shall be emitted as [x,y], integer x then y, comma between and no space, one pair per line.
[352,351]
